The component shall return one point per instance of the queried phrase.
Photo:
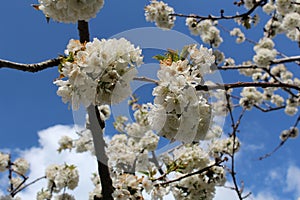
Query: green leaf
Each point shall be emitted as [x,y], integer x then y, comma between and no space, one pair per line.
[159,57]
[144,172]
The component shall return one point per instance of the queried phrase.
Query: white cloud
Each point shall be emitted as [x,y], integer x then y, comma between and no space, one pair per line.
[225,193]
[293,179]
[46,154]
[264,195]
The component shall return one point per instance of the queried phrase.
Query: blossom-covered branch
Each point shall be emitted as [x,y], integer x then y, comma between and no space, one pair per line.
[217,163]
[36,67]
[253,66]
[222,16]
[227,86]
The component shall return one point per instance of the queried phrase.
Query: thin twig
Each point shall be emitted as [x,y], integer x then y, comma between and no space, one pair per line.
[280,144]
[36,67]
[27,185]
[235,126]
[253,66]
[145,79]
[222,16]
[191,174]
[227,86]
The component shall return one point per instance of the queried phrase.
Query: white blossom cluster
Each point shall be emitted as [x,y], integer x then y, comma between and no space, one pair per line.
[220,106]
[287,18]
[60,178]
[19,166]
[199,186]
[176,98]
[208,32]
[279,73]
[187,159]
[159,12]
[250,3]
[70,10]
[292,104]
[4,159]
[128,153]
[293,132]
[127,186]
[97,189]
[226,146]
[98,72]
[130,149]
[265,52]
[250,97]
[240,37]
[17,170]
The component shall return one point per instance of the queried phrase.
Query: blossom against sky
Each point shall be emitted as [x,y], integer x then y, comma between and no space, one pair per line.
[29,102]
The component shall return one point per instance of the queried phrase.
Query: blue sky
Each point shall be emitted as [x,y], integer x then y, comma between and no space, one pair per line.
[29,102]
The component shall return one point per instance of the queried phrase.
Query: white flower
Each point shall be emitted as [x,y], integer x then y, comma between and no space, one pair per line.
[69,10]
[290,110]
[105,111]
[98,72]
[207,31]
[43,194]
[283,6]
[224,146]
[65,142]
[192,24]
[84,142]
[4,159]
[249,3]
[191,157]
[62,176]
[159,12]
[97,192]
[264,57]
[291,21]
[21,166]
[268,8]
[238,33]
[293,34]
[176,98]
[250,97]
[293,132]
[16,182]
[147,184]
[277,100]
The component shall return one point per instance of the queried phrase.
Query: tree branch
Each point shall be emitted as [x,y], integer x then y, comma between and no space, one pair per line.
[286,60]
[280,144]
[36,67]
[96,126]
[235,126]
[227,86]
[214,18]
[253,66]
[191,174]
[83,28]
[99,144]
